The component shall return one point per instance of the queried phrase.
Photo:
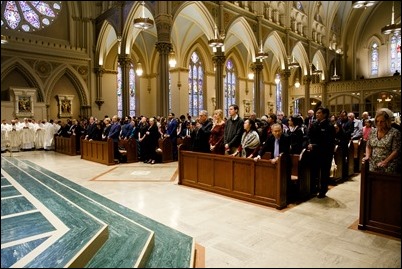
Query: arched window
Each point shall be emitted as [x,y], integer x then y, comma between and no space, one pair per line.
[28,16]
[195,85]
[119,92]
[396,52]
[132,90]
[229,87]
[374,59]
[170,93]
[279,95]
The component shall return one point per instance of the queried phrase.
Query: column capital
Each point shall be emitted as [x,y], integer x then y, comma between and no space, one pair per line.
[164,47]
[307,79]
[257,66]
[285,73]
[219,59]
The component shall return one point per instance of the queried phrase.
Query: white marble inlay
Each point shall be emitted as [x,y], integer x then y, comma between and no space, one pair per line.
[140,173]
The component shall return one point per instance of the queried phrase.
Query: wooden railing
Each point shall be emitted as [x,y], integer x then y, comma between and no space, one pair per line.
[380,202]
[98,151]
[258,182]
[65,145]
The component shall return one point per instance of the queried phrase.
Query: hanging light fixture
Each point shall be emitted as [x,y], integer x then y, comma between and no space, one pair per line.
[261,55]
[139,70]
[217,41]
[293,64]
[277,79]
[4,39]
[335,77]
[297,83]
[360,4]
[172,59]
[142,22]
[317,71]
[393,27]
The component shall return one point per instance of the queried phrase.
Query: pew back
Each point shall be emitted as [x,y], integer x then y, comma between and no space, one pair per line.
[98,151]
[380,202]
[128,149]
[258,182]
[65,145]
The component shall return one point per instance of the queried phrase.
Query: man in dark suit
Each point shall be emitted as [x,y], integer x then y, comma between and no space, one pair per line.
[114,134]
[277,143]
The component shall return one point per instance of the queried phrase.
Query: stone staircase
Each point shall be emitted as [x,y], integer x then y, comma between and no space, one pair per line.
[49,221]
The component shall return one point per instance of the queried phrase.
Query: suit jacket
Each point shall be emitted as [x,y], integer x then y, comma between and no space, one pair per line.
[269,145]
[114,132]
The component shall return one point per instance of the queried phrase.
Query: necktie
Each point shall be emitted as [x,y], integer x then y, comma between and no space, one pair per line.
[276,149]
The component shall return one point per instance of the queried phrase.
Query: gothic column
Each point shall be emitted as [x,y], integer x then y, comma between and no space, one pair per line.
[324,93]
[285,74]
[162,95]
[99,73]
[219,61]
[258,85]
[307,83]
[125,83]
[164,46]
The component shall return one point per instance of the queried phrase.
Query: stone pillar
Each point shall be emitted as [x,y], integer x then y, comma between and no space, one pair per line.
[285,74]
[125,79]
[219,61]
[259,97]
[99,73]
[307,83]
[162,95]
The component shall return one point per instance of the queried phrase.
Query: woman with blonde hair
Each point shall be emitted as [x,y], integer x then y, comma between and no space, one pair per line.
[217,131]
[384,144]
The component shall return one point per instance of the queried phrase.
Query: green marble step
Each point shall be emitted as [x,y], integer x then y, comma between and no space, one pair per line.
[172,249]
[128,243]
[58,226]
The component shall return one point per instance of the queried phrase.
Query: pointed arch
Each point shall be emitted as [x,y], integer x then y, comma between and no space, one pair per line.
[7,67]
[76,80]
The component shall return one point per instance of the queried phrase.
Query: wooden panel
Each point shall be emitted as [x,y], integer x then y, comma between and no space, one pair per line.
[97,151]
[243,178]
[223,173]
[338,161]
[65,145]
[205,173]
[380,202]
[258,182]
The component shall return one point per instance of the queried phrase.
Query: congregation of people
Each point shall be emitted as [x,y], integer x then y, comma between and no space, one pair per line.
[319,132]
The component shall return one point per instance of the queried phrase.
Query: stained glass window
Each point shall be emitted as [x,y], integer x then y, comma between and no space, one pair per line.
[374,59]
[229,87]
[279,96]
[396,52]
[170,93]
[29,16]
[195,85]
[119,92]
[132,90]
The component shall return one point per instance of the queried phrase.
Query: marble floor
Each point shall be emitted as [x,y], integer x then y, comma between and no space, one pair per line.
[317,233]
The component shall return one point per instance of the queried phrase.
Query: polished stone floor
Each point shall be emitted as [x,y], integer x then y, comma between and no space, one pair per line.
[317,233]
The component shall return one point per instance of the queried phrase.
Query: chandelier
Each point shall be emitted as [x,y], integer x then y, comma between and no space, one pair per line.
[261,55]
[142,22]
[4,39]
[360,4]
[393,27]
[335,77]
[293,63]
[217,41]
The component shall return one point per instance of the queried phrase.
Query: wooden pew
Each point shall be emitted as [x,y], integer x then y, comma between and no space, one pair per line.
[380,202]
[301,173]
[128,150]
[165,151]
[98,151]
[258,182]
[339,163]
[351,158]
[65,145]
[184,143]
[361,151]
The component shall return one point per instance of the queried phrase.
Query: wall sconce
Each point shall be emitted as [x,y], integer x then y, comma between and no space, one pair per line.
[139,70]
[142,22]
[250,76]
[172,59]
[277,79]
[179,85]
[297,83]
[4,39]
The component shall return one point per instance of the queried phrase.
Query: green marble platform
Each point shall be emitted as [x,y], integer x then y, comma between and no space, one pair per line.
[154,245]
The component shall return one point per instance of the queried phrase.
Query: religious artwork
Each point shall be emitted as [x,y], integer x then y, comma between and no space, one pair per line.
[65,106]
[247,108]
[24,104]
[24,101]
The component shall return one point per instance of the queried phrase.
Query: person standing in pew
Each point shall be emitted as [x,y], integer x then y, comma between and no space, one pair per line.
[201,133]
[321,144]
[278,143]
[114,134]
[383,148]
[233,130]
